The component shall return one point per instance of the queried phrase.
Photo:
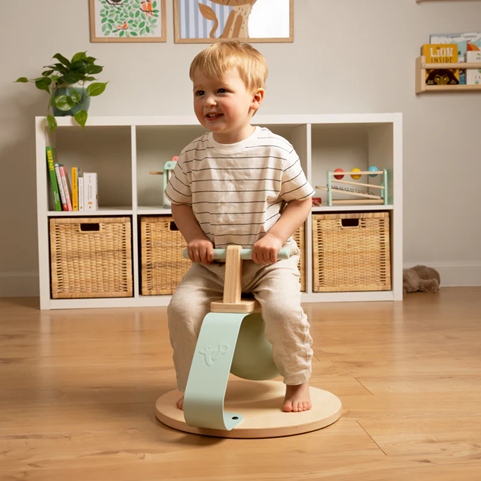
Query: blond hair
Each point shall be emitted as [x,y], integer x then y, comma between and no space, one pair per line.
[214,60]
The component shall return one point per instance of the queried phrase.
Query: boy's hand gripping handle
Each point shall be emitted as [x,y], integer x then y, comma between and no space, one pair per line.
[245,254]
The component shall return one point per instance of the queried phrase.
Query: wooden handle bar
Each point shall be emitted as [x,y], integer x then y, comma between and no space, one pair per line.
[245,254]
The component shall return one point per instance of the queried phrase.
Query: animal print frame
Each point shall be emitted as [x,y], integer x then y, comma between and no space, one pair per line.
[209,21]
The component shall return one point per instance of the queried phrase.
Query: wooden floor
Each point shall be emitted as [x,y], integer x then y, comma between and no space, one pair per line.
[78,390]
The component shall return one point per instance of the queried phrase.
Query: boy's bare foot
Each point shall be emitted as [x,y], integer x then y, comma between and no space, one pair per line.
[298,398]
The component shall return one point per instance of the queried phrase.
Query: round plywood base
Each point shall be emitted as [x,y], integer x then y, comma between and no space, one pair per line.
[260,402]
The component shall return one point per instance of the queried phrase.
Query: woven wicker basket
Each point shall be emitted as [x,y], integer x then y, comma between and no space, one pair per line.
[351,252]
[299,237]
[162,263]
[91,257]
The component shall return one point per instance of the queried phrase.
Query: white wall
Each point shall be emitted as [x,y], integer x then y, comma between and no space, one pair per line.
[348,56]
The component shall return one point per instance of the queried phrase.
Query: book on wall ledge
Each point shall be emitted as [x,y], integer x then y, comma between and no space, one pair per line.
[441,53]
[53,178]
[465,42]
[473,75]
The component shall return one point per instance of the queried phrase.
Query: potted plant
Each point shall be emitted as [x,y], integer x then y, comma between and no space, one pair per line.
[64,82]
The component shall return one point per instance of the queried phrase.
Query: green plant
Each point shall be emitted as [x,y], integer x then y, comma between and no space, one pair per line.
[78,70]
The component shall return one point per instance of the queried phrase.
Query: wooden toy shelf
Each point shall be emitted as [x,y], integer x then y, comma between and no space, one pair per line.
[422,66]
[133,146]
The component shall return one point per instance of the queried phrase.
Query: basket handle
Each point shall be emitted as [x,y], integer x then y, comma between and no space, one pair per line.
[351,223]
[87,227]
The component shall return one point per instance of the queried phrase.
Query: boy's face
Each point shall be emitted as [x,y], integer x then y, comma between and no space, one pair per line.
[224,105]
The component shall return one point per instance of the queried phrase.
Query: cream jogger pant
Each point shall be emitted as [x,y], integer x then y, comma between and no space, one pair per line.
[277,289]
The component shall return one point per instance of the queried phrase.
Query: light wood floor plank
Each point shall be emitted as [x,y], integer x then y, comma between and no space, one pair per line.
[78,389]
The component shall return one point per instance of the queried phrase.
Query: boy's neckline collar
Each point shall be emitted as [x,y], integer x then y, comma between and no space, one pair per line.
[235,146]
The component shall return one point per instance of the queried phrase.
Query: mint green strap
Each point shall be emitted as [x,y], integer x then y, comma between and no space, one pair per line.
[209,373]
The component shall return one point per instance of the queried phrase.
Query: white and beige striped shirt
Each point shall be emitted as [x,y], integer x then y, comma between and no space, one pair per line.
[237,191]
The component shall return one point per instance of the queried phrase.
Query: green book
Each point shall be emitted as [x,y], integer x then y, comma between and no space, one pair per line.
[53,178]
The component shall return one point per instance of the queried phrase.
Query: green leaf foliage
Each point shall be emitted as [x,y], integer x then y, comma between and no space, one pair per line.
[51,122]
[79,56]
[81,117]
[96,88]
[62,59]
[75,96]
[80,69]
[64,102]
[43,83]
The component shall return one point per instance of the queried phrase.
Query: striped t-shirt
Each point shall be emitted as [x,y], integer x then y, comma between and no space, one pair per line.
[237,191]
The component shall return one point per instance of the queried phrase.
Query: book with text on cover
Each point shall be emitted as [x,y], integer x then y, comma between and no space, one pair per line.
[75,171]
[467,41]
[441,53]
[90,191]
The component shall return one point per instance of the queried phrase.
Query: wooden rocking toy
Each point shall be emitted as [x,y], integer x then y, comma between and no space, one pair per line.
[232,343]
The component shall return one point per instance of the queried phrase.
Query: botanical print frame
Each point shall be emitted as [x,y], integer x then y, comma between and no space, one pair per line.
[127,21]
[209,21]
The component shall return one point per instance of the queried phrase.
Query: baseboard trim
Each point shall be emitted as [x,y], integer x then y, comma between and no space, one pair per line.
[25,284]
[19,284]
[455,274]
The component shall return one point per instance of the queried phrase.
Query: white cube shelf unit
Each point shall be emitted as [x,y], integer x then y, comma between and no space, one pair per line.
[123,150]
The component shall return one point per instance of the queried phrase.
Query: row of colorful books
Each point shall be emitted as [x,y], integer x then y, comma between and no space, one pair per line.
[78,194]
[453,48]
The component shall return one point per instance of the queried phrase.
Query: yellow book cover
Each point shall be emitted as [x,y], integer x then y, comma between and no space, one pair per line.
[441,53]
[74,188]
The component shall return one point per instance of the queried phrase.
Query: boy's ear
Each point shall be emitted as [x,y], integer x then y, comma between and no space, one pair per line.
[257,99]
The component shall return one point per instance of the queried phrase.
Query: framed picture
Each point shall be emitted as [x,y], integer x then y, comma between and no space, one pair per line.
[209,21]
[127,21]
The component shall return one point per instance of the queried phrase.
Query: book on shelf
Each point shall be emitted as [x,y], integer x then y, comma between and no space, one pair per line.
[66,186]
[473,75]
[50,151]
[90,191]
[441,53]
[77,194]
[465,42]
[75,188]
[80,189]
[60,186]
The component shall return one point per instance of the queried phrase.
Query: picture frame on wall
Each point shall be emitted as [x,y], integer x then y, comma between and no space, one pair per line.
[209,21]
[127,21]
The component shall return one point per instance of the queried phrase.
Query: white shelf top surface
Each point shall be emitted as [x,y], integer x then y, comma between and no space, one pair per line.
[96,121]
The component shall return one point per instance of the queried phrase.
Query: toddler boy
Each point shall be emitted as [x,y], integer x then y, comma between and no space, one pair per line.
[240,184]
